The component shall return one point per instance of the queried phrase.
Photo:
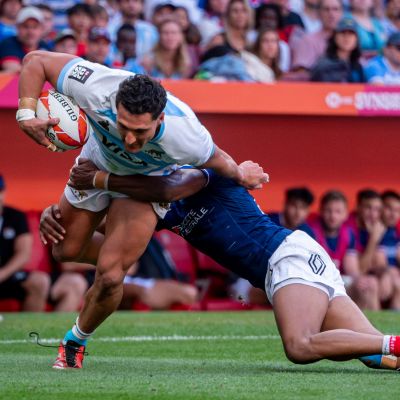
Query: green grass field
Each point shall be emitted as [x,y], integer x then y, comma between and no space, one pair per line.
[180,356]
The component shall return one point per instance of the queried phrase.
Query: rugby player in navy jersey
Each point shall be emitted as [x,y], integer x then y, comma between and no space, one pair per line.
[315,317]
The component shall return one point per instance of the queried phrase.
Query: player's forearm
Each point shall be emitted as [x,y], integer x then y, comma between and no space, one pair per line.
[223,164]
[180,184]
[32,77]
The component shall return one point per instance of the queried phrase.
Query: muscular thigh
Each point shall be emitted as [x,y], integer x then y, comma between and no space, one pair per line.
[129,227]
[79,225]
[299,310]
[343,313]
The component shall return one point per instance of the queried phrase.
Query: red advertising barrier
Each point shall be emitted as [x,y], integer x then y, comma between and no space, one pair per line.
[302,134]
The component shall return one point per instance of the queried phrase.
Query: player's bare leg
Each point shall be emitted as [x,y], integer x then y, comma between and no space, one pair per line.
[343,313]
[300,312]
[79,225]
[129,228]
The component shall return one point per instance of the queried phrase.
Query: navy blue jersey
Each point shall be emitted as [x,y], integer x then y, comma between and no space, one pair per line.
[390,244]
[224,221]
[277,218]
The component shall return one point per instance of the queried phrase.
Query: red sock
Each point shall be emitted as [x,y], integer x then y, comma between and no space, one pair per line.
[394,345]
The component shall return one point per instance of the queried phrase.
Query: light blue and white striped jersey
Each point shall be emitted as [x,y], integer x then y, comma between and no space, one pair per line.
[181,139]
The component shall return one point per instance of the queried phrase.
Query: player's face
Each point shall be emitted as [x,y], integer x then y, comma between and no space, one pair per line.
[296,212]
[391,212]
[370,210]
[136,129]
[334,214]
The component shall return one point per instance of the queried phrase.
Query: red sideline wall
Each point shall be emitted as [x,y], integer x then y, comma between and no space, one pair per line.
[321,135]
[322,152]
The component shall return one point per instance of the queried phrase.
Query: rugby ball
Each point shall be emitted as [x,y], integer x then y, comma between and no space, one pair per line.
[73,130]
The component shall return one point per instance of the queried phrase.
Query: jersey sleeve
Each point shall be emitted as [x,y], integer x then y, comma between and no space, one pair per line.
[187,141]
[89,84]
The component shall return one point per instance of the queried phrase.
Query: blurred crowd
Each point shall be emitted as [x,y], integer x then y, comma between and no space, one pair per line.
[216,40]
[364,245]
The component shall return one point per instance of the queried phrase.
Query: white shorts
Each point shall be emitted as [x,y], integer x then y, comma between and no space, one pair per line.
[147,283]
[300,259]
[97,200]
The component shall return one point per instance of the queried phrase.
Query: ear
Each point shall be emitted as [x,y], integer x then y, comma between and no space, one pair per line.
[161,117]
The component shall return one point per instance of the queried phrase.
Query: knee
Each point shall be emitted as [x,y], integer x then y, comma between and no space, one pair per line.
[38,282]
[189,294]
[297,349]
[109,277]
[66,252]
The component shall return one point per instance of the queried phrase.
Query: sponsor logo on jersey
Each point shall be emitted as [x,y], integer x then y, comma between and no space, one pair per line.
[80,74]
[78,194]
[104,124]
[155,154]
[190,221]
[317,264]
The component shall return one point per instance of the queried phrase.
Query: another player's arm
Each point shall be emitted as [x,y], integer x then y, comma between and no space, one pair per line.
[22,253]
[37,68]
[247,174]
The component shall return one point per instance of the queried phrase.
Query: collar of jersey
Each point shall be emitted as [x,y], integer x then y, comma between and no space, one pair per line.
[159,134]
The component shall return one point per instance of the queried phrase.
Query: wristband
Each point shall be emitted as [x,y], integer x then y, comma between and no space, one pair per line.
[100,180]
[25,114]
[207,175]
[27,102]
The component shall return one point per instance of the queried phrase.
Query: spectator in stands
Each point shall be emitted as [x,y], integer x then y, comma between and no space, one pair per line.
[212,21]
[65,42]
[310,16]
[15,250]
[341,62]
[237,27]
[266,48]
[290,18]
[29,33]
[369,29]
[307,49]
[48,23]
[190,30]
[100,16]
[170,57]
[338,240]
[130,13]
[59,8]
[70,285]
[9,10]
[391,21]
[161,12]
[155,283]
[296,210]
[269,16]
[390,244]
[98,46]
[125,57]
[385,69]
[80,20]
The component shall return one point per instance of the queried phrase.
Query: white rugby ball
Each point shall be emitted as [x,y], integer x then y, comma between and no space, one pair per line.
[73,130]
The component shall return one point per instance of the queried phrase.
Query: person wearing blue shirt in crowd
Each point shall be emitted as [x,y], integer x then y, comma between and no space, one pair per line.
[9,10]
[29,33]
[296,210]
[385,69]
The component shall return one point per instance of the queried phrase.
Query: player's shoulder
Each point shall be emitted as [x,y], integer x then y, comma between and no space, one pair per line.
[177,108]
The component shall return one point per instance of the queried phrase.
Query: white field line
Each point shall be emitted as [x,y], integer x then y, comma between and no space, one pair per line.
[173,338]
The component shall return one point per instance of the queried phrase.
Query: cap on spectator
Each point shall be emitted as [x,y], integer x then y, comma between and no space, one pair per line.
[99,33]
[29,13]
[394,39]
[64,34]
[2,183]
[346,24]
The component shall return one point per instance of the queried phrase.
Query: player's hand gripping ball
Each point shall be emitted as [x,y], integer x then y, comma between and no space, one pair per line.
[73,130]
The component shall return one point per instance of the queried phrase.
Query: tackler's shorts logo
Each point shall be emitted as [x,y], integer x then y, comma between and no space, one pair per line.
[80,74]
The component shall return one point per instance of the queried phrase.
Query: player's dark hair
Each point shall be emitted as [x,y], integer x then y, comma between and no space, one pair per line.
[332,195]
[125,27]
[390,194]
[80,9]
[140,94]
[300,193]
[367,194]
